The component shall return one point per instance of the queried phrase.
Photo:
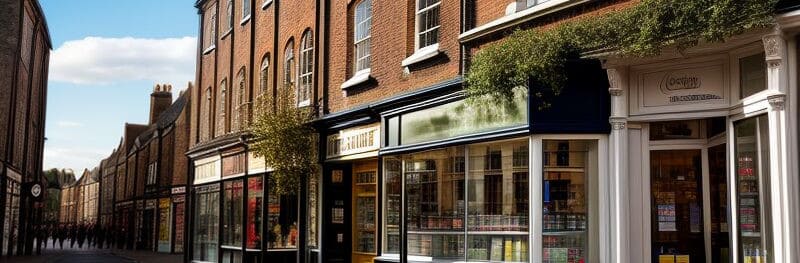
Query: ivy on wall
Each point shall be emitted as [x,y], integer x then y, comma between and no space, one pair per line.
[540,55]
[283,135]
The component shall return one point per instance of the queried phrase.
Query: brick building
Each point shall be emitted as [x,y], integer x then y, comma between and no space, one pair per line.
[24,55]
[142,182]
[411,172]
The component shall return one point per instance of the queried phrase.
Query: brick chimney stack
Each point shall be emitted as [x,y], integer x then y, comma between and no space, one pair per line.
[160,100]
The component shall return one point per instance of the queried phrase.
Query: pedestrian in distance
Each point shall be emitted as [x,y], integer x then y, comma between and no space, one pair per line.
[54,234]
[73,234]
[81,235]
[62,234]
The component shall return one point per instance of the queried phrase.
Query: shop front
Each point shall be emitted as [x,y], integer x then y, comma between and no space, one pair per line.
[11,203]
[351,192]
[700,152]
[230,202]
[178,213]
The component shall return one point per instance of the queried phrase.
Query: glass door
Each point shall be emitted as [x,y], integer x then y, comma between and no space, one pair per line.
[676,206]
[720,241]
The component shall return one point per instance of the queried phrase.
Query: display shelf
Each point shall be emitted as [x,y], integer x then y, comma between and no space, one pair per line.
[751,234]
[563,233]
[416,232]
[498,233]
[550,168]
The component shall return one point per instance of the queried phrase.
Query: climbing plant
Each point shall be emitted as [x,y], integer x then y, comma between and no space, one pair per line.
[283,135]
[540,55]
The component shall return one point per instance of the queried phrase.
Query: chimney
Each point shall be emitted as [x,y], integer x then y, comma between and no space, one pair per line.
[160,100]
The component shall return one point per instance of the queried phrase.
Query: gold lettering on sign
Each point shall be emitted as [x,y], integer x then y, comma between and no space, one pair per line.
[353,141]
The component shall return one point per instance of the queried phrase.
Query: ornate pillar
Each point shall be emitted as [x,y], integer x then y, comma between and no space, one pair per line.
[782,184]
[617,184]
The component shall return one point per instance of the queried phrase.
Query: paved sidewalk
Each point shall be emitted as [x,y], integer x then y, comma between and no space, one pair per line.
[93,255]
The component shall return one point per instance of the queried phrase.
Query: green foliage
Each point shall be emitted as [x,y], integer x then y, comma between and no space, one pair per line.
[540,55]
[284,137]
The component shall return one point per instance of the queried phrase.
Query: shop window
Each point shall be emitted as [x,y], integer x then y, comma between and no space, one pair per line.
[752,189]
[232,214]
[255,206]
[675,130]
[392,188]
[567,175]
[752,75]
[206,223]
[282,220]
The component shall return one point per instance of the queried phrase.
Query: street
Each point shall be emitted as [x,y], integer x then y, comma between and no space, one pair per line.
[92,255]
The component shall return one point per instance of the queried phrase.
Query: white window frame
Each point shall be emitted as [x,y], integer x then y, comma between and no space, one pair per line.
[288,64]
[212,34]
[266,4]
[246,11]
[230,15]
[263,82]
[306,63]
[240,101]
[418,27]
[151,173]
[367,38]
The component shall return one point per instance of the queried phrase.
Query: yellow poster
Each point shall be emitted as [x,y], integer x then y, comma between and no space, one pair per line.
[666,259]
[682,259]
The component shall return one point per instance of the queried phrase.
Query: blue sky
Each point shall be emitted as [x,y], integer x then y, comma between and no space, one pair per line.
[107,55]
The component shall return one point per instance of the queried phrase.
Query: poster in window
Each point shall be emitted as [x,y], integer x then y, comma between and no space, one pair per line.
[666,211]
[164,225]
[179,214]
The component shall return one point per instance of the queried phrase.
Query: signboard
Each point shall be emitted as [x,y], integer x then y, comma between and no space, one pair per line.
[681,87]
[179,190]
[255,164]
[352,141]
[164,218]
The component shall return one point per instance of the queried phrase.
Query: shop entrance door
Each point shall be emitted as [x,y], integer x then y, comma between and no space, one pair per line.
[676,192]
[337,213]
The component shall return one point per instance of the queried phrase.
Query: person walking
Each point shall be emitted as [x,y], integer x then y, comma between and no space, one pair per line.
[54,234]
[62,234]
[81,235]
[73,234]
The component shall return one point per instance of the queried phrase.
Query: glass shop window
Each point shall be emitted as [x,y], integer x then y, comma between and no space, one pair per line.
[752,189]
[206,223]
[282,215]
[255,207]
[392,188]
[232,214]
[752,75]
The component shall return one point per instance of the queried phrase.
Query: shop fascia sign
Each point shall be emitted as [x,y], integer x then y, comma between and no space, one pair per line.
[179,190]
[354,141]
[207,170]
[684,87]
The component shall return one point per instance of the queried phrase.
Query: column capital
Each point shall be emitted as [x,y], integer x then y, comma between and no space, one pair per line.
[777,102]
[774,48]
[618,123]
[614,85]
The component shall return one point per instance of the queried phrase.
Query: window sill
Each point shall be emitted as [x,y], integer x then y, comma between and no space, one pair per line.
[517,18]
[389,258]
[224,35]
[360,77]
[209,49]
[266,4]
[244,20]
[421,54]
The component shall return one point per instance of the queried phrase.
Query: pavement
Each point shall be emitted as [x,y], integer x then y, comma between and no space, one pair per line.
[92,255]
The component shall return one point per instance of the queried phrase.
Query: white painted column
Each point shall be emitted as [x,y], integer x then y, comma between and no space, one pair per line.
[614,208]
[781,182]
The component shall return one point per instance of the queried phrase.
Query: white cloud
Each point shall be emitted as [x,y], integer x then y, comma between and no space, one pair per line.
[69,124]
[99,60]
[76,158]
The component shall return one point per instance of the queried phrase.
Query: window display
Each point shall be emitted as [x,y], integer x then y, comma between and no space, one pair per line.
[752,179]
[282,225]
[497,222]
[435,203]
[232,215]
[565,210]
[255,204]
[392,195]
[365,212]
[206,223]
[313,199]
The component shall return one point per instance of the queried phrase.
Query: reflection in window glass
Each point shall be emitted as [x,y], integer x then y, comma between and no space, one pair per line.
[565,208]
[436,205]
[255,206]
[313,199]
[392,189]
[752,190]
[497,224]
[206,223]
[232,216]
[282,220]
[752,74]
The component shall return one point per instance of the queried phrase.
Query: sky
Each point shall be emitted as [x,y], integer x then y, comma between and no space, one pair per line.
[107,56]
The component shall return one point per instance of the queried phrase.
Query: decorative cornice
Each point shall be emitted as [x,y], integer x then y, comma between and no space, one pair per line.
[774,46]
[777,102]
[613,82]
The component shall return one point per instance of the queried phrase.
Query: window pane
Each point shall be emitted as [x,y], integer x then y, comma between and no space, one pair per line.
[206,224]
[365,209]
[565,209]
[497,224]
[752,178]
[392,190]
[436,205]
[752,74]
[232,216]
[255,206]
[363,17]
[282,220]
[428,23]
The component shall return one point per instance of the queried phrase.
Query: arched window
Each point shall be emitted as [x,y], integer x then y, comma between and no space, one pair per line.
[206,111]
[288,66]
[264,76]
[239,114]
[306,69]
[222,106]
[230,14]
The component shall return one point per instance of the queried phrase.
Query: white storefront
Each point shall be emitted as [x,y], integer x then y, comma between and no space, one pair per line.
[703,153]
